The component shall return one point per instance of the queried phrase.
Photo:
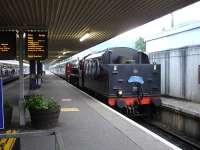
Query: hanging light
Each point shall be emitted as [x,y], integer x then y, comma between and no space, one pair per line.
[64,53]
[24,35]
[87,35]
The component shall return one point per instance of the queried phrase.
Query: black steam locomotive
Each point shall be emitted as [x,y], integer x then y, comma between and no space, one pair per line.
[123,76]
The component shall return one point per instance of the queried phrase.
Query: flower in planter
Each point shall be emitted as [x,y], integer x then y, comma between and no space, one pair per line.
[39,102]
[44,111]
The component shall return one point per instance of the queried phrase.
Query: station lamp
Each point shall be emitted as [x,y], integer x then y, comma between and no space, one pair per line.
[84,37]
[24,35]
[64,53]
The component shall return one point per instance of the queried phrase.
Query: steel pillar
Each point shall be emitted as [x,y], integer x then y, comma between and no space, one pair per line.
[32,83]
[39,74]
[21,81]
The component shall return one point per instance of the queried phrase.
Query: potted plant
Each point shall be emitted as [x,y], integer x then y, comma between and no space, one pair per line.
[7,114]
[44,112]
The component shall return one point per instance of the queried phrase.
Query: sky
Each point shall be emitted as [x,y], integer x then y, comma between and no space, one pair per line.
[188,14]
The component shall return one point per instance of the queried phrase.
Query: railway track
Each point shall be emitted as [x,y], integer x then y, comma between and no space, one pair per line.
[179,140]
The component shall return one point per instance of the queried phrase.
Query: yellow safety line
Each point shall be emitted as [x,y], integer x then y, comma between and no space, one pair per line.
[8,142]
[69,109]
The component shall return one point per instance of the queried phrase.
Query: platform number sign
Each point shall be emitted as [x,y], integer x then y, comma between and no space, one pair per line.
[2,106]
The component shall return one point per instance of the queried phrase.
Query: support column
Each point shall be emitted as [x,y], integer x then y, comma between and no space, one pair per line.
[39,74]
[184,65]
[21,81]
[32,83]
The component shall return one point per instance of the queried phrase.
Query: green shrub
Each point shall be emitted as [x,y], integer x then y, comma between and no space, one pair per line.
[40,102]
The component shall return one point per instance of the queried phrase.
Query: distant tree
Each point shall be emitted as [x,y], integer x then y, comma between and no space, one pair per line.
[140,44]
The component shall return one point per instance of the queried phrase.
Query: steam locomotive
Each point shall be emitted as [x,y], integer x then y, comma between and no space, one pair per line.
[123,76]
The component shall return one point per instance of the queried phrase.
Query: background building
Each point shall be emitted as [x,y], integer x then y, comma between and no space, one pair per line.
[178,52]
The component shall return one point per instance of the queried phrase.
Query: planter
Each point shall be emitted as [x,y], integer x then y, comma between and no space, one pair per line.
[8,117]
[44,111]
[41,119]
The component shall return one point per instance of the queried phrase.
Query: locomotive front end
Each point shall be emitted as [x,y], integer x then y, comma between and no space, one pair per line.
[134,88]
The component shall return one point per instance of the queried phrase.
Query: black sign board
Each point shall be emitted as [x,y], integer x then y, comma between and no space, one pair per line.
[36,45]
[7,45]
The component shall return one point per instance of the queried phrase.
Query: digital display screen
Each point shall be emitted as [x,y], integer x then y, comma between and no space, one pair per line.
[7,45]
[36,45]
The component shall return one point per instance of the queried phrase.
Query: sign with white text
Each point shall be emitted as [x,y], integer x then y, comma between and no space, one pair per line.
[7,45]
[36,44]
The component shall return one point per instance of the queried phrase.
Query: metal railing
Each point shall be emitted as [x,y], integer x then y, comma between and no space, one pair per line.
[59,144]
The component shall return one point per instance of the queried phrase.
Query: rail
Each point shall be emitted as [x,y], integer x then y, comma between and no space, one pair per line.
[59,144]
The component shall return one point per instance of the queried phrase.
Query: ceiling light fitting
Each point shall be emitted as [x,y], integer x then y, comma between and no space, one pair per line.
[86,36]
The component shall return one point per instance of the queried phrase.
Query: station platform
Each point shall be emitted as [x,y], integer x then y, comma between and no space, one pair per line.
[11,90]
[186,107]
[87,124]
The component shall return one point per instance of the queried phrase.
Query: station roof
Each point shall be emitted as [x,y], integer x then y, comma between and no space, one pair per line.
[68,20]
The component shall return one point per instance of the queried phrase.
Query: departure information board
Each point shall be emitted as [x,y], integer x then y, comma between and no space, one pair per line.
[36,45]
[7,45]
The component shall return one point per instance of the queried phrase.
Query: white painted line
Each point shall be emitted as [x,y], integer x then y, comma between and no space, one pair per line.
[66,100]
[132,122]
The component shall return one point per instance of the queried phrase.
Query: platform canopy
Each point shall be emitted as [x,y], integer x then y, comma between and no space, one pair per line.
[68,20]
